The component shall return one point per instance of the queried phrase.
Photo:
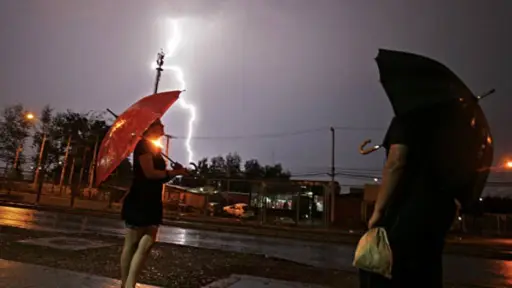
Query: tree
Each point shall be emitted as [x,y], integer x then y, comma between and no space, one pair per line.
[253,169]
[233,165]
[218,166]
[275,172]
[14,130]
[85,130]
[122,176]
[203,168]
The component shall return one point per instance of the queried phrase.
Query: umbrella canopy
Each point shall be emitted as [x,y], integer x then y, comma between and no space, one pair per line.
[128,129]
[433,100]
[412,81]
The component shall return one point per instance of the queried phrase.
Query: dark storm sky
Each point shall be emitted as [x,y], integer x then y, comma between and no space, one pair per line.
[254,67]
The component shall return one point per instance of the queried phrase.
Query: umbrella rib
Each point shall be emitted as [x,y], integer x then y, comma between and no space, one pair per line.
[486,94]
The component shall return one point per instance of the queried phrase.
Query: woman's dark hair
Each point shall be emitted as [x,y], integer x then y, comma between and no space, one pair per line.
[155,123]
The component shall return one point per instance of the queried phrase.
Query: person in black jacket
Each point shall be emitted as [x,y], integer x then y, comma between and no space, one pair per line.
[412,205]
[142,208]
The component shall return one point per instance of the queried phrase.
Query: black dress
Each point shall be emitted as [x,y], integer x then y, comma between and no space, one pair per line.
[418,216]
[143,205]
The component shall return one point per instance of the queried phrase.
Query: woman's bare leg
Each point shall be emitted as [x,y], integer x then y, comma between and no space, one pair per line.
[138,259]
[131,241]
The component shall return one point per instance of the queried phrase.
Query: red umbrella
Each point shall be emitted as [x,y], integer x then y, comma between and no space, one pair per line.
[127,130]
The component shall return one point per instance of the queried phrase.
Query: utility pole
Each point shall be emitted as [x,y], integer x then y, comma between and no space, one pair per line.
[63,172]
[159,62]
[72,187]
[332,174]
[17,157]
[82,168]
[93,165]
[39,161]
[167,145]
[72,172]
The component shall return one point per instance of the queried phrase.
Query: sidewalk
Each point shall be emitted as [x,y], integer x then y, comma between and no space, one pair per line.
[21,275]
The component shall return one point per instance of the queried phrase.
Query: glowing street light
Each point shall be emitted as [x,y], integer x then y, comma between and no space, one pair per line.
[508,164]
[30,116]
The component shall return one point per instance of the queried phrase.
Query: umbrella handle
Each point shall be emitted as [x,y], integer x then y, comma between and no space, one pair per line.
[168,158]
[366,151]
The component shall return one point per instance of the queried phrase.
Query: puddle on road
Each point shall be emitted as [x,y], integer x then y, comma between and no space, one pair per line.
[66,243]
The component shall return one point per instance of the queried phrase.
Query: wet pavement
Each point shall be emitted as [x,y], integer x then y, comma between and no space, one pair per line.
[458,269]
[22,275]
[243,281]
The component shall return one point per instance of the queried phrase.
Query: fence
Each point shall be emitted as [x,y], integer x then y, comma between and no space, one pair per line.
[487,224]
[23,181]
[272,202]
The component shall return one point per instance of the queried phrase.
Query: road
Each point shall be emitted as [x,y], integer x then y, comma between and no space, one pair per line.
[458,269]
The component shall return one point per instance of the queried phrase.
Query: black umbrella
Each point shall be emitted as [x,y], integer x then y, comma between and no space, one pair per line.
[428,94]
[413,81]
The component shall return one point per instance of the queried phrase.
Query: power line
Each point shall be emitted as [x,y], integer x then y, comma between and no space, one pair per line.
[249,136]
[278,135]
[352,128]
[372,177]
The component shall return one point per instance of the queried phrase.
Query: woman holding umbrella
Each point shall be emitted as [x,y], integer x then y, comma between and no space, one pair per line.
[142,208]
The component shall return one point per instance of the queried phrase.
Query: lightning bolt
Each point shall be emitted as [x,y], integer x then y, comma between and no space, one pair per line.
[172,46]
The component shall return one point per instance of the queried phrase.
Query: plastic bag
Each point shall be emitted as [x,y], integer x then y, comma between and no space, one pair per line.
[373,253]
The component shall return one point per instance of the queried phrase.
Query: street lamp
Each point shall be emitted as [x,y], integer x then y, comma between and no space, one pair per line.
[508,164]
[31,116]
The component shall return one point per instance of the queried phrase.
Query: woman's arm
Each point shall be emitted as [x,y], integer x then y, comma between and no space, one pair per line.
[146,162]
[391,174]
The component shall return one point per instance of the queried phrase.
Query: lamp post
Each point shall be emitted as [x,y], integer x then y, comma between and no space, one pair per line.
[38,185]
[64,166]
[17,157]
[32,117]
[40,159]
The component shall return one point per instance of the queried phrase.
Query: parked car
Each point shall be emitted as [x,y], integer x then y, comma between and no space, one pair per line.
[214,209]
[240,210]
